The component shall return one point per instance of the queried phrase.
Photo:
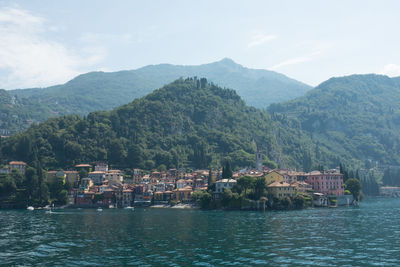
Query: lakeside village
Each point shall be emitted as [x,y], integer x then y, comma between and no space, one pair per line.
[261,188]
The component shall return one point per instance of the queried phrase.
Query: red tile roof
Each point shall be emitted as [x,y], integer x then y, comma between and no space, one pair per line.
[83,166]
[17,163]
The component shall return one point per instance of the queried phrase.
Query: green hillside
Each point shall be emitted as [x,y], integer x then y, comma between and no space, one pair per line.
[105,91]
[18,113]
[356,117]
[188,123]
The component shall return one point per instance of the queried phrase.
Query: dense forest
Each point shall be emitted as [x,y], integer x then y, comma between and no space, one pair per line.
[188,123]
[104,91]
[356,117]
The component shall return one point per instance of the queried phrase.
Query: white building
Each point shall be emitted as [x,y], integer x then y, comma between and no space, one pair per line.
[97,177]
[160,187]
[101,167]
[114,176]
[224,184]
[180,184]
[127,198]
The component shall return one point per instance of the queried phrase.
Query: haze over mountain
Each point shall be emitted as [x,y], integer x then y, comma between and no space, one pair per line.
[104,91]
[355,117]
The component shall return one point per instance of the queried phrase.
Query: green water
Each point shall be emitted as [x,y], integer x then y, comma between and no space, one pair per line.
[368,235]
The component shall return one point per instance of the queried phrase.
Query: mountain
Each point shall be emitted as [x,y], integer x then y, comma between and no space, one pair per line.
[356,118]
[18,113]
[188,123]
[104,91]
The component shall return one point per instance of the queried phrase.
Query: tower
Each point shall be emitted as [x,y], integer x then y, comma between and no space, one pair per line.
[258,159]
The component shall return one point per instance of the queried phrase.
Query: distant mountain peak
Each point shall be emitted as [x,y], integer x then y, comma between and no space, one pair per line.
[227,60]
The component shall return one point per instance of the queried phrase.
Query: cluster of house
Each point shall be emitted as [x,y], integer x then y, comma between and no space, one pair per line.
[111,188]
[287,183]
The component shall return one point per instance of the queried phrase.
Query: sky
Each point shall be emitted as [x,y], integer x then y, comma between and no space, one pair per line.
[46,42]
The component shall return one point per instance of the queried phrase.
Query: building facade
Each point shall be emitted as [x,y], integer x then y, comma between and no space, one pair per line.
[328,183]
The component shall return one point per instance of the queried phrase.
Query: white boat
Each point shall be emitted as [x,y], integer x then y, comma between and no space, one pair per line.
[129,208]
[111,207]
[30,208]
[99,209]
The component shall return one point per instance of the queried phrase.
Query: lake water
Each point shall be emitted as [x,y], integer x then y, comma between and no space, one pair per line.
[367,235]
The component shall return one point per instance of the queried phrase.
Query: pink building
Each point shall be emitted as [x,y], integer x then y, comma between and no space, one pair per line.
[328,183]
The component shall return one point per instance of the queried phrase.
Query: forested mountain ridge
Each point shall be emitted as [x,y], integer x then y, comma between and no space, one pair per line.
[356,117]
[188,123]
[103,91]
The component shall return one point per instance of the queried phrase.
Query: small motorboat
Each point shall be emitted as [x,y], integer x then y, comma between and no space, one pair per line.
[30,208]
[129,208]
[99,209]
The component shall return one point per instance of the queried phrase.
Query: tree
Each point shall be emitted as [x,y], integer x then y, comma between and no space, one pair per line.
[299,201]
[354,186]
[307,161]
[62,197]
[203,199]
[117,153]
[226,197]
[259,187]
[227,170]
[7,186]
[244,183]
[32,185]
[135,156]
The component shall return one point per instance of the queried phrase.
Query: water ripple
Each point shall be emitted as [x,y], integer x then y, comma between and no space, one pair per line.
[368,235]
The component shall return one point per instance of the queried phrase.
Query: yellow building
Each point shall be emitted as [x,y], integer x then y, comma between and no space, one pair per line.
[281,189]
[302,187]
[182,194]
[71,177]
[273,177]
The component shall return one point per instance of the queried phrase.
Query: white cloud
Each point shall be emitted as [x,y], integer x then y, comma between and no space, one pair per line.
[391,70]
[29,59]
[260,38]
[296,60]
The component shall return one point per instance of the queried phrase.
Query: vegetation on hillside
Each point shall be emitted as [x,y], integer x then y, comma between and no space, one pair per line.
[356,118]
[186,123]
[18,113]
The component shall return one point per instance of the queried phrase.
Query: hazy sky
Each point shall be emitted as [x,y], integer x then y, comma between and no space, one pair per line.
[48,42]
